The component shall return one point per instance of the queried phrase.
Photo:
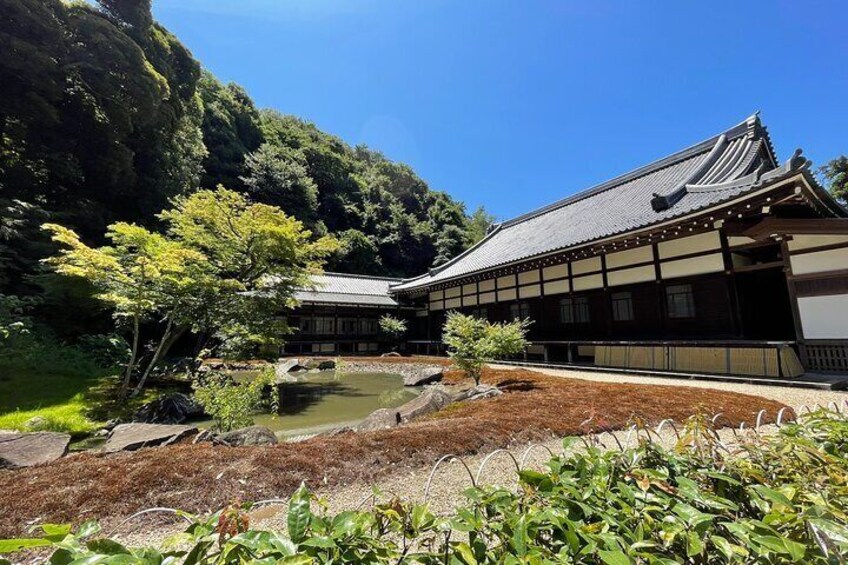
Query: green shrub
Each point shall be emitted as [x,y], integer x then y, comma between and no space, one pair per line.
[473,342]
[232,404]
[772,500]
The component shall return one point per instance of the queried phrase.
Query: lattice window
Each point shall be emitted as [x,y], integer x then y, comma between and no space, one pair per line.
[828,358]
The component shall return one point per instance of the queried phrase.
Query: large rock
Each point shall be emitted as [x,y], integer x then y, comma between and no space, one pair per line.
[327,365]
[380,419]
[285,366]
[425,376]
[28,449]
[171,409]
[478,392]
[129,437]
[251,435]
[431,400]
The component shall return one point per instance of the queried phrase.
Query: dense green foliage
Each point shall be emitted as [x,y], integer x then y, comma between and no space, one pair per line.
[232,404]
[773,499]
[225,267]
[105,117]
[835,174]
[472,342]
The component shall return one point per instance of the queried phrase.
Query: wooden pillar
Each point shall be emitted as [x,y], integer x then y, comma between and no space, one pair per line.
[737,325]
[793,303]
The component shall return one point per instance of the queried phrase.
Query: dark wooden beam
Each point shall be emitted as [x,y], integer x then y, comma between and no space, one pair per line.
[813,226]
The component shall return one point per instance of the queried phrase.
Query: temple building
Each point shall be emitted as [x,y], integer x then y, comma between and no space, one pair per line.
[716,259]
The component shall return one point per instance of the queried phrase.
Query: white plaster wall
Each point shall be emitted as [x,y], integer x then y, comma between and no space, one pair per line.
[487,285]
[531,291]
[469,289]
[631,276]
[629,257]
[470,300]
[588,282]
[506,282]
[557,287]
[820,261]
[504,295]
[436,295]
[737,240]
[695,266]
[824,317]
[438,305]
[453,292]
[555,272]
[452,303]
[806,241]
[692,244]
[528,277]
[586,265]
[487,297]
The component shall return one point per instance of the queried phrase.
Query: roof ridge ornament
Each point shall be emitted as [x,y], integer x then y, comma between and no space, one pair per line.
[660,202]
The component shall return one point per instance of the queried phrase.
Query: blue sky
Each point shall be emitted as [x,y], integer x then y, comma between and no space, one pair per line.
[516,104]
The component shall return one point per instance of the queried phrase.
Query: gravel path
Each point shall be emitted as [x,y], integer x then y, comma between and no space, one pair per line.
[790,396]
[452,478]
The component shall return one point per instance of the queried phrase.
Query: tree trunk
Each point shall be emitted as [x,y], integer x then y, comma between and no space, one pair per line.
[156,356]
[125,385]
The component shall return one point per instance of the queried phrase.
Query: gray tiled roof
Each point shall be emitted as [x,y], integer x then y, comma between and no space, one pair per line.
[697,178]
[338,288]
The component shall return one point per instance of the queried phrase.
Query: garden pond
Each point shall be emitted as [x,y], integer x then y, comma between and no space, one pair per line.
[319,401]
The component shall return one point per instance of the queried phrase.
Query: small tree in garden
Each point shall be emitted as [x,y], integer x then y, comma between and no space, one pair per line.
[232,404]
[393,328]
[225,268]
[473,342]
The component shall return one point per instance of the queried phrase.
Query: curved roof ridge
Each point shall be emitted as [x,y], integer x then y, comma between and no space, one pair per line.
[746,126]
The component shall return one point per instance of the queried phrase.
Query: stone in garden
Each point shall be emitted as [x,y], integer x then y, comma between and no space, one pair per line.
[204,436]
[285,366]
[129,437]
[480,392]
[28,449]
[424,376]
[36,423]
[427,402]
[338,431]
[391,354]
[327,365]
[380,419]
[171,409]
[251,435]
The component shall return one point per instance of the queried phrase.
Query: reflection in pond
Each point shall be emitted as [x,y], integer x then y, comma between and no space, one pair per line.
[325,400]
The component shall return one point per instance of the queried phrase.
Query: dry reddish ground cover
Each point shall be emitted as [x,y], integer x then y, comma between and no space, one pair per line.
[205,477]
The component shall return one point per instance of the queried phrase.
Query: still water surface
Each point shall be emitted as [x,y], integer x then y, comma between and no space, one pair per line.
[326,400]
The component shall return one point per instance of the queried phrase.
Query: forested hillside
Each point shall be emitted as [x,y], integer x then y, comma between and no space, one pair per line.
[105,116]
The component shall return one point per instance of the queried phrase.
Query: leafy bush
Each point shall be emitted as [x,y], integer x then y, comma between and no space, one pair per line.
[774,499]
[393,328]
[232,404]
[473,342]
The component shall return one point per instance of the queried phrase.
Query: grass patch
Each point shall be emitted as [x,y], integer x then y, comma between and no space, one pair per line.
[56,384]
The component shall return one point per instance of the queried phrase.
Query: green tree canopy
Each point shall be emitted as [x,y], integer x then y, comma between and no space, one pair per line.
[835,174]
[225,267]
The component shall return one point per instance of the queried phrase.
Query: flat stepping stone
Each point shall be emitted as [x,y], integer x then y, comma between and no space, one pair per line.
[129,437]
[28,449]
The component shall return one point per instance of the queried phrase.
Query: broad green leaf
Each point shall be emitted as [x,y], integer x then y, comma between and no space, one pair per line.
[466,553]
[12,545]
[299,514]
[614,557]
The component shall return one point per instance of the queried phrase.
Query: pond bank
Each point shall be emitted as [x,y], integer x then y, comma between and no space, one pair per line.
[204,477]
